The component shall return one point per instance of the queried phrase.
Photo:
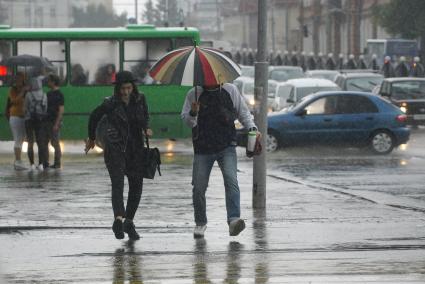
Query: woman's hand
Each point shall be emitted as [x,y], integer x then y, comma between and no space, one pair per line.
[149,132]
[89,145]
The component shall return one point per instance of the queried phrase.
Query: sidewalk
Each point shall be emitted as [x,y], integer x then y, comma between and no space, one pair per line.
[55,227]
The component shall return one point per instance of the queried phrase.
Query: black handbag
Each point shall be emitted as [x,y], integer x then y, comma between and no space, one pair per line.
[152,161]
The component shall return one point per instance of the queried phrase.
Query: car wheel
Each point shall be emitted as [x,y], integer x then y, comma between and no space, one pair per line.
[382,142]
[272,144]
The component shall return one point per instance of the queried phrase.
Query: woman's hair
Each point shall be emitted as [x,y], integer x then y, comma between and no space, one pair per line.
[118,87]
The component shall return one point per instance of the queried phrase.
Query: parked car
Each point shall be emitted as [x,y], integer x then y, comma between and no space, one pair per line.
[337,118]
[409,95]
[246,88]
[247,71]
[294,90]
[358,81]
[284,73]
[322,74]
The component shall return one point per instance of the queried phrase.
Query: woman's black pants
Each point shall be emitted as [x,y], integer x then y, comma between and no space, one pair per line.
[119,165]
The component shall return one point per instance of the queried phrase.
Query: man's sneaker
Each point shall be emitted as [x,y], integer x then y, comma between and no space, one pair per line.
[199,231]
[40,167]
[130,229]
[117,228]
[236,226]
[19,165]
[33,167]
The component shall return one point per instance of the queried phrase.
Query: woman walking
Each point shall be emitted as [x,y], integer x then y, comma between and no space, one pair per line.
[15,114]
[126,124]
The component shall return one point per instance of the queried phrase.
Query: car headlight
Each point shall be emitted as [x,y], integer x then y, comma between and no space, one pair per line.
[252,102]
[403,109]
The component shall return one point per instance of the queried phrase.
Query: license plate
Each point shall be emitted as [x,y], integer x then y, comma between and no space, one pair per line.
[419,117]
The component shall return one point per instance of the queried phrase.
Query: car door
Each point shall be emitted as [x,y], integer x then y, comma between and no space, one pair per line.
[314,123]
[355,118]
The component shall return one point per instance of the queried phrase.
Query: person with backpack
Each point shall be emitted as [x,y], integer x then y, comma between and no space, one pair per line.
[126,119]
[35,123]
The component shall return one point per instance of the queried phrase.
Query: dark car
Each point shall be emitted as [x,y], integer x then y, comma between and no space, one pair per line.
[358,81]
[409,95]
[338,118]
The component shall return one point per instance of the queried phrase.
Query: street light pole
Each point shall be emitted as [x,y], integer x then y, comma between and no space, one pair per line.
[136,11]
[260,116]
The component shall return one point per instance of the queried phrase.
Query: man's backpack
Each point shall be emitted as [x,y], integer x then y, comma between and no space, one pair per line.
[37,105]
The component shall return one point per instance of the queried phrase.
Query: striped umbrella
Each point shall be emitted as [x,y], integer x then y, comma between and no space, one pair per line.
[195,66]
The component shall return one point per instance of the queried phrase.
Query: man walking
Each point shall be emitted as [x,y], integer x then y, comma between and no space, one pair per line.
[211,113]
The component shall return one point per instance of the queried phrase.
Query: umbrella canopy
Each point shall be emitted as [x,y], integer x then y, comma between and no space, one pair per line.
[195,66]
[27,60]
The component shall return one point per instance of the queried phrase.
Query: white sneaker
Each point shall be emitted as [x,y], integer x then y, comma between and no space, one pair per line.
[236,226]
[40,167]
[19,165]
[199,231]
[33,167]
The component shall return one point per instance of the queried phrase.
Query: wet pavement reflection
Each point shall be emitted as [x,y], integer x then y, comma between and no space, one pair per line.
[332,216]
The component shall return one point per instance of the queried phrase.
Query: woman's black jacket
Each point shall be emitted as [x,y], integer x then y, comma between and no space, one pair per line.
[121,124]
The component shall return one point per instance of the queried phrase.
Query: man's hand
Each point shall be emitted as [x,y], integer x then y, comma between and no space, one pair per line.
[89,145]
[195,108]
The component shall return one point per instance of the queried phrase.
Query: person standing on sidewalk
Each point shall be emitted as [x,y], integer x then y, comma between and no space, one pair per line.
[35,123]
[55,109]
[211,117]
[126,120]
[15,115]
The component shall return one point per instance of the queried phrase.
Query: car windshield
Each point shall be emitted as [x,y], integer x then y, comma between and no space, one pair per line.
[247,71]
[408,90]
[272,89]
[363,84]
[249,88]
[328,76]
[304,91]
[283,75]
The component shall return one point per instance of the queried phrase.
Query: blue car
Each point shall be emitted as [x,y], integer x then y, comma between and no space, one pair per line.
[339,118]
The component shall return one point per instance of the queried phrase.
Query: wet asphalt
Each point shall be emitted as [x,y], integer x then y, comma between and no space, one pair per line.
[332,216]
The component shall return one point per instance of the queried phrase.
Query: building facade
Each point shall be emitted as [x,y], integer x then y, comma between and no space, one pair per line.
[43,13]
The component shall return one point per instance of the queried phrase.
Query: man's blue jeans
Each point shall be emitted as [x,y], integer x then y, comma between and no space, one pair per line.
[202,165]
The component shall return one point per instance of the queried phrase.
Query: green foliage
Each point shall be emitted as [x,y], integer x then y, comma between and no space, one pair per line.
[150,14]
[97,16]
[401,17]
[167,15]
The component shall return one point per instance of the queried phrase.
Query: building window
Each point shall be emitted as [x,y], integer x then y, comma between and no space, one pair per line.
[52,11]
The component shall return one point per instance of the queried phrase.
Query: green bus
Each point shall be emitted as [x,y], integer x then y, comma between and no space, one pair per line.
[86,60]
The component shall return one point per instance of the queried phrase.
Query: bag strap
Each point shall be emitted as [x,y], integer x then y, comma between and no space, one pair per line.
[147,141]
[159,159]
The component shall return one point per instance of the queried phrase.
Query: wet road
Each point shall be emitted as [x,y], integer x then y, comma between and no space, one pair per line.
[333,216]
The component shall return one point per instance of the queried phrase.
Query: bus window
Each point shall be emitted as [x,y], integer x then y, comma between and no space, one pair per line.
[157,48]
[29,47]
[184,41]
[5,52]
[135,60]
[97,69]
[54,51]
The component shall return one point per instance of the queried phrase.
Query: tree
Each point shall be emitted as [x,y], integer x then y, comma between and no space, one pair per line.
[97,16]
[167,13]
[150,13]
[405,18]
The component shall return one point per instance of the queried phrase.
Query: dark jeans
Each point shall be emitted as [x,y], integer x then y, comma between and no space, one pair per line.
[36,131]
[54,138]
[117,164]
